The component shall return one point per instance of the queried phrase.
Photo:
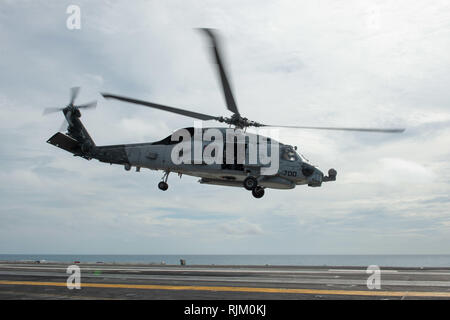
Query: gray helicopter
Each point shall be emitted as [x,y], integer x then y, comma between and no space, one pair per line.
[225,156]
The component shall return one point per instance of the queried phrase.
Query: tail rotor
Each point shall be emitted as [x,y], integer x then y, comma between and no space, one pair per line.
[71,109]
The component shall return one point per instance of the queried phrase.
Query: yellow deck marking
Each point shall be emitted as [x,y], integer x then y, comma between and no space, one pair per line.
[239,289]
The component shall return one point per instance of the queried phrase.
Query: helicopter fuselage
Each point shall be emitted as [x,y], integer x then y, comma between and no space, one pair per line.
[289,169]
[271,163]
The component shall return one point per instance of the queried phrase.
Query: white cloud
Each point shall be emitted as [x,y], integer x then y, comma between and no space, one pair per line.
[393,171]
[241,228]
[311,63]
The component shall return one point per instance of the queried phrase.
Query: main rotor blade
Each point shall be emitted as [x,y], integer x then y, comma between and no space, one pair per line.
[393,130]
[51,110]
[88,105]
[73,94]
[183,112]
[228,94]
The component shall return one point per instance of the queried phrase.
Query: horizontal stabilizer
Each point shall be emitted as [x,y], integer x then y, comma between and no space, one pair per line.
[62,141]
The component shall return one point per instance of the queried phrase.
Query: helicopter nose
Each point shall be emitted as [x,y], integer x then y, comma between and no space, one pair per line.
[315,180]
[318,175]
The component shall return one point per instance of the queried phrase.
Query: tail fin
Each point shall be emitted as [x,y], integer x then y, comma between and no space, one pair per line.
[76,129]
[77,141]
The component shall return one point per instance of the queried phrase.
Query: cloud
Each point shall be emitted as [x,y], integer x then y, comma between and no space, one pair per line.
[393,171]
[241,228]
[312,63]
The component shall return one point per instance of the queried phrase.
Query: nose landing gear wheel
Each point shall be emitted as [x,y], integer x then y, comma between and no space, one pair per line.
[163,186]
[258,192]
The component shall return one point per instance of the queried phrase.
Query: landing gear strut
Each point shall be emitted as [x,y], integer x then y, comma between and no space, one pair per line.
[163,184]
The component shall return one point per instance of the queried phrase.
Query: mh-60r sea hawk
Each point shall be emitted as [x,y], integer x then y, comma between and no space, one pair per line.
[291,168]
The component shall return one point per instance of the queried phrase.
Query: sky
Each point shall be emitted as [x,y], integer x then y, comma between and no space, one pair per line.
[374,63]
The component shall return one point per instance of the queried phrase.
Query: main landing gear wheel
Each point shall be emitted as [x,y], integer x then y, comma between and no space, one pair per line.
[250,183]
[163,186]
[258,192]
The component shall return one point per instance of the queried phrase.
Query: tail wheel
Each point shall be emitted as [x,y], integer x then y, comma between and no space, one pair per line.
[250,183]
[163,186]
[258,192]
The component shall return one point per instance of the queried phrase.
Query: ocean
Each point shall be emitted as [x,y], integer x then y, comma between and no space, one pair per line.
[257,260]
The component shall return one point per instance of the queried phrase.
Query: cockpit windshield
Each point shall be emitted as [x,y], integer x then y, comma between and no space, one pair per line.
[302,157]
[289,154]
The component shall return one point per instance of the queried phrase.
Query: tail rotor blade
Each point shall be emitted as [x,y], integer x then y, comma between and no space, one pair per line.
[70,109]
[68,117]
[51,110]
[73,94]
[89,105]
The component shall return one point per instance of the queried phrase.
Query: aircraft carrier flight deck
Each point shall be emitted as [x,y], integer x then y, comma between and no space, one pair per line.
[49,280]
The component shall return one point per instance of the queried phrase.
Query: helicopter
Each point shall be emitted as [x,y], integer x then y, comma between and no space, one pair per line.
[224,156]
